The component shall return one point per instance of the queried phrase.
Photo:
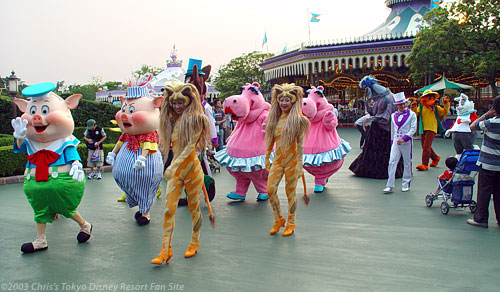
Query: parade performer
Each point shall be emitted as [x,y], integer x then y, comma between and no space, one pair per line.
[374,158]
[324,150]
[463,137]
[54,180]
[430,115]
[183,125]
[403,127]
[285,128]
[137,163]
[244,155]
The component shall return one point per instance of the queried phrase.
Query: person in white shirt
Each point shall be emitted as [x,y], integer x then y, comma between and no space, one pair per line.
[403,127]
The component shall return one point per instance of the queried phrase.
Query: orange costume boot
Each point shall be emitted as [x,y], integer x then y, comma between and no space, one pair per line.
[191,250]
[422,167]
[163,257]
[277,225]
[434,163]
[289,227]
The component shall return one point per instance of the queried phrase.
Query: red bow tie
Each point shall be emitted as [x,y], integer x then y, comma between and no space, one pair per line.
[42,159]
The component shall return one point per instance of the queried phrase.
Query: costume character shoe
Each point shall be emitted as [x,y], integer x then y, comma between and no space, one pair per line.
[289,229]
[84,234]
[163,257]
[434,163]
[278,225]
[191,250]
[158,193]
[182,202]
[387,190]
[142,219]
[122,199]
[39,244]
[262,197]
[422,167]
[236,197]
[319,188]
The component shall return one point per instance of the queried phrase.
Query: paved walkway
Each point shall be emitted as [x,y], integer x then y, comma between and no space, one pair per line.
[350,238]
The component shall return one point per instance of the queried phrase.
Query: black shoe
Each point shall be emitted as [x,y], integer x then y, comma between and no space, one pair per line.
[137,215]
[83,236]
[29,248]
[182,202]
[143,221]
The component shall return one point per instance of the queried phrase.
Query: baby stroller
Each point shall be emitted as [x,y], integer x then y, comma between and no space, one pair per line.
[459,189]
[214,165]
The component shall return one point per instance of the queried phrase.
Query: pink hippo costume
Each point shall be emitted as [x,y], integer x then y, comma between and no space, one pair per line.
[244,155]
[324,150]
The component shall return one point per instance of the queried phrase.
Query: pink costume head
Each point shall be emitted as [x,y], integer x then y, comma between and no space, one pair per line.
[49,118]
[315,106]
[140,112]
[247,106]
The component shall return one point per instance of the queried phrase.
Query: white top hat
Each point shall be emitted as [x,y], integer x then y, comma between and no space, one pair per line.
[399,98]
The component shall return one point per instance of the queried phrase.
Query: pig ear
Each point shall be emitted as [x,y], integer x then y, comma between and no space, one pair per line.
[158,101]
[21,104]
[72,101]
[320,88]
[256,84]
[122,99]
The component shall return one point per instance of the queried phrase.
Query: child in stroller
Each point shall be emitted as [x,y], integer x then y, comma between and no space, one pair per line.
[458,184]
[214,165]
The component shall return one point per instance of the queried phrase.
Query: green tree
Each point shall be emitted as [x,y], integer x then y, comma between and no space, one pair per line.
[87,90]
[112,85]
[146,69]
[464,38]
[239,71]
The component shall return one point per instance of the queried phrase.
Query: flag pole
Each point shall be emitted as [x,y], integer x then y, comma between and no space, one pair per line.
[309,26]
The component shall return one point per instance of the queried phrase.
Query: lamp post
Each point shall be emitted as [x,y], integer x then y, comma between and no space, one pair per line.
[110,98]
[12,84]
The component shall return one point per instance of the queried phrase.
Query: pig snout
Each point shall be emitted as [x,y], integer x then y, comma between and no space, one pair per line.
[125,120]
[37,119]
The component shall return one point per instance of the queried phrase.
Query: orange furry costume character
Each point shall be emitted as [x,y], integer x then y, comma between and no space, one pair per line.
[285,127]
[187,130]
[429,115]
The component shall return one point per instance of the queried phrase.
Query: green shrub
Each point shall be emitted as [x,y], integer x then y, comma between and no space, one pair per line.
[102,112]
[15,163]
[7,140]
[111,136]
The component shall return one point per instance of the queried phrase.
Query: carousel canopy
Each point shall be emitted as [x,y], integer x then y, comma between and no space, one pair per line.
[445,84]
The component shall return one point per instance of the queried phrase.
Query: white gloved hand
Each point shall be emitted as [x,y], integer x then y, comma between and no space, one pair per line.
[19,127]
[76,171]
[110,159]
[140,163]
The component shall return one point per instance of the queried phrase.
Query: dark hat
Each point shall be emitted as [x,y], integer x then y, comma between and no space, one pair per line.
[90,124]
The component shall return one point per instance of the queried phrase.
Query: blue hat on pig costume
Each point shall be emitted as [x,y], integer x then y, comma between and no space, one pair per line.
[141,88]
[39,91]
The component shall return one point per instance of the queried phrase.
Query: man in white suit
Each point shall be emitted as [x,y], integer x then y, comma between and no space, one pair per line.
[403,127]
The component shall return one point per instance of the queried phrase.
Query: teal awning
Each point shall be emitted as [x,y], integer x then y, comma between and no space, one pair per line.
[444,84]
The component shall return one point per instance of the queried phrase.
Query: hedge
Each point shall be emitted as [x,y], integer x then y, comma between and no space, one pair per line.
[14,163]
[102,112]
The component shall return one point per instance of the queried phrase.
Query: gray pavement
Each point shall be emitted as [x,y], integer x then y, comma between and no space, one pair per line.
[350,238]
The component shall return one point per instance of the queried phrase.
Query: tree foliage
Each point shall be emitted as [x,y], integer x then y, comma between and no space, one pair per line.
[463,38]
[146,69]
[239,71]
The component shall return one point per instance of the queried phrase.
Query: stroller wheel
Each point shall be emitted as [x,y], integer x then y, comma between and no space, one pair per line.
[473,206]
[429,200]
[445,208]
